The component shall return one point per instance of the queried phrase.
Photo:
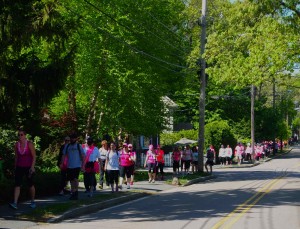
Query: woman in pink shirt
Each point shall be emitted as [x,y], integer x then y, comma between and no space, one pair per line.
[125,165]
[150,162]
[133,155]
[176,155]
[25,157]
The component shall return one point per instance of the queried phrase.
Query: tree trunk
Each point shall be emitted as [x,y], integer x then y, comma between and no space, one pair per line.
[252,120]
[72,103]
[202,90]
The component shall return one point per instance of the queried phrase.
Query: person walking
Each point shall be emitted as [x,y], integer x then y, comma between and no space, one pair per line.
[63,170]
[210,160]
[228,152]
[188,158]
[195,159]
[133,161]
[125,166]
[248,152]
[150,162]
[239,153]
[91,165]
[222,155]
[25,158]
[112,167]
[76,161]
[176,155]
[103,154]
[160,156]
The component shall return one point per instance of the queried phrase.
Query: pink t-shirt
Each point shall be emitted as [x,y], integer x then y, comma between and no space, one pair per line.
[239,150]
[24,158]
[176,155]
[132,154]
[151,157]
[124,159]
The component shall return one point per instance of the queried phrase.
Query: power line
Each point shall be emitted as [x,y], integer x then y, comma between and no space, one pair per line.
[153,33]
[128,45]
[121,24]
[160,22]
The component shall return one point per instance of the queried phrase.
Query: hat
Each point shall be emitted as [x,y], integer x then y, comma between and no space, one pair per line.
[129,145]
[67,138]
[125,144]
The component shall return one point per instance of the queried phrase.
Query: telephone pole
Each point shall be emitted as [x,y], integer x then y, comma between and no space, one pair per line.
[202,89]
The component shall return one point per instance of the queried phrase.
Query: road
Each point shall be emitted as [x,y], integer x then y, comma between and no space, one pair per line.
[265,196]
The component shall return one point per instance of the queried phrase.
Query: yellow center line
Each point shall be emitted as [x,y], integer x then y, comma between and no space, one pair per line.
[245,206]
[246,209]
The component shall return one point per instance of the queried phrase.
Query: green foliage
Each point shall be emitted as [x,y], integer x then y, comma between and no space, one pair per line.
[170,138]
[218,132]
[7,153]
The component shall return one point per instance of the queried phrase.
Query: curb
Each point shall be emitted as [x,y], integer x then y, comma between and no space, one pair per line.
[72,213]
[95,207]
[200,179]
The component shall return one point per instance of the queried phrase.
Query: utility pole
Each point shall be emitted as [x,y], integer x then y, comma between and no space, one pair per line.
[252,120]
[202,89]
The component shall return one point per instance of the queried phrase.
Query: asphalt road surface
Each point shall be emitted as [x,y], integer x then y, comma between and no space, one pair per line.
[265,196]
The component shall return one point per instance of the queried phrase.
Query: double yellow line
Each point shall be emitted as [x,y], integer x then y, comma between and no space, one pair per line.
[237,213]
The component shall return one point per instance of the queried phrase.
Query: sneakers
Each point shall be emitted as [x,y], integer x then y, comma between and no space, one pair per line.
[153,181]
[13,205]
[120,187]
[150,180]
[32,204]
[128,186]
[100,186]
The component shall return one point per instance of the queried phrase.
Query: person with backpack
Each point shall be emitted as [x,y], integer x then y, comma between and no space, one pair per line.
[76,158]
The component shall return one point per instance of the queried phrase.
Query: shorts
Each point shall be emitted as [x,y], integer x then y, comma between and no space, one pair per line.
[239,156]
[195,163]
[20,172]
[73,173]
[187,164]
[113,176]
[151,167]
[211,163]
[175,165]
[126,170]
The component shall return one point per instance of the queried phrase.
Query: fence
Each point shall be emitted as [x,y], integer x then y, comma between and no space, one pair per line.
[167,157]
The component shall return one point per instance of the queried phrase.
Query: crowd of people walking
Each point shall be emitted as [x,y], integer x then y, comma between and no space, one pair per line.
[115,164]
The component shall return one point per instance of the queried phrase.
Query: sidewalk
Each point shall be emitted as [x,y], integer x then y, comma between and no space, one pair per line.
[137,190]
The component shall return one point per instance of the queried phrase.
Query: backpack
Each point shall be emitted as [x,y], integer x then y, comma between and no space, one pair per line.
[79,151]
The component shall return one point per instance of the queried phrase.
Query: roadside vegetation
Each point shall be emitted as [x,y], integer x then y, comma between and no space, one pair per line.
[101,68]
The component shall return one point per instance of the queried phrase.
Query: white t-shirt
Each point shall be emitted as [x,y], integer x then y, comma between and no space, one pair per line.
[112,160]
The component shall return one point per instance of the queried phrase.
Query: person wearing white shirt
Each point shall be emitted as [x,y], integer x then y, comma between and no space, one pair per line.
[228,151]
[222,155]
